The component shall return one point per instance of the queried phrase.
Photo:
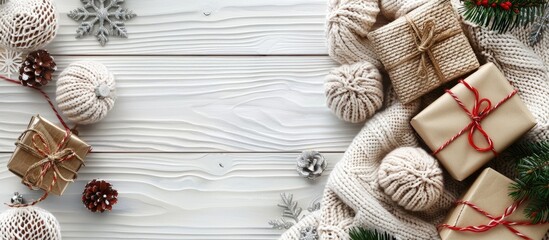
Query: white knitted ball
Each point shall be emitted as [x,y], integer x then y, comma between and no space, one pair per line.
[86,92]
[354,92]
[348,23]
[27,24]
[393,9]
[412,178]
[29,223]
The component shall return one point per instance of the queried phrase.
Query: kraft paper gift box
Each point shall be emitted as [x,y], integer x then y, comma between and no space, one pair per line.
[489,192]
[418,63]
[23,157]
[445,118]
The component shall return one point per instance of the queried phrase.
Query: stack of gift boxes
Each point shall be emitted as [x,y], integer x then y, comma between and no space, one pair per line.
[467,126]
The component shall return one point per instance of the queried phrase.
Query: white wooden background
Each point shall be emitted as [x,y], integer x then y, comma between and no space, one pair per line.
[216,99]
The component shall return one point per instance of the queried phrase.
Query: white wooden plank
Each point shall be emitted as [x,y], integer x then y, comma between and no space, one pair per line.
[180,196]
[201,27]
[198,104]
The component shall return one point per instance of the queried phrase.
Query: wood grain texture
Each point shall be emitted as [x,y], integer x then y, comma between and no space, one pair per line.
[202,27]
[200,104]
[180,196]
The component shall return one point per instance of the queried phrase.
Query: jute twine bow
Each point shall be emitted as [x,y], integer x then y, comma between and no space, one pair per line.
[494,220]
[477,114]
[50,161]
[424,40]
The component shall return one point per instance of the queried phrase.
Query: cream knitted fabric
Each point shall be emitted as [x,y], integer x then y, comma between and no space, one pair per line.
[347,24]
[354,92]
[412,178]
[27,24]
[29,223]
[393,9]
[86,92]
[353,195]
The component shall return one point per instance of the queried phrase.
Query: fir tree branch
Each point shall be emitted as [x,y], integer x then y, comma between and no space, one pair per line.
[364,234]
[502,15]
[532,183]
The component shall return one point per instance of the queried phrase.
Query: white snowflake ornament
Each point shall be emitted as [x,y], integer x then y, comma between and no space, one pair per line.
[108,15]
[10,62]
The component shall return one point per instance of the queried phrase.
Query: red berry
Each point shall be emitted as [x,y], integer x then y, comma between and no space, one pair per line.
[485,3]
[494,5]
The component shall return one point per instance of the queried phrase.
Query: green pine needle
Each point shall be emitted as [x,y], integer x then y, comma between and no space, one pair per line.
[533,180]
[364,234]
[492,14]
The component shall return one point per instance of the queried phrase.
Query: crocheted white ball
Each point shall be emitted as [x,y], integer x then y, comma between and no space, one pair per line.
[27,24]
[348,23]
[354,92]
[412,178]
[86,92]
[29,223]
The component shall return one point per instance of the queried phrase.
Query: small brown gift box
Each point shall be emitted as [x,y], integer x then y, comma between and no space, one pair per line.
[22,159]
[445,118]
[490,193]
[424,49]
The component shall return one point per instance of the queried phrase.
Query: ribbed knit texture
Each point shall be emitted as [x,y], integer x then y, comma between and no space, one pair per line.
[353,196]
[354,92]
[86,92]
[27,24]
[28,223]
[347,24]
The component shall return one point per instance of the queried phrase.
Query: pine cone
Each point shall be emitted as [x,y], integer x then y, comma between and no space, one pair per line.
[99,196]
[311,164]
[37,69]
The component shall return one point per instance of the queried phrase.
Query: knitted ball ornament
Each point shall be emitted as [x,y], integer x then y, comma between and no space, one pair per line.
[86,92]
[27,24]
[354,92]
[412,178]
[348,23]
[29,223]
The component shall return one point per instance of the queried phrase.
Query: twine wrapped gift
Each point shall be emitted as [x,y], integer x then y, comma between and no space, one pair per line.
[472,122]
[424,49]
[486,212]
[47,157]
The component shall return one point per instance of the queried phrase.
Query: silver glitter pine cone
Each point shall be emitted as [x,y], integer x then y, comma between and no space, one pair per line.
[311,164]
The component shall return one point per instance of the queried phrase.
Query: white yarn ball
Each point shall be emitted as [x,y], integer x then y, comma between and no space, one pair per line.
[86,92]
[348,23]
[29,223]
[354,92]
[27,24]
[412,178]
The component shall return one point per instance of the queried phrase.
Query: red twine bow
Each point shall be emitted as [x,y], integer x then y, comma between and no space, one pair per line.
[494,221]
[51,160]
[481,109]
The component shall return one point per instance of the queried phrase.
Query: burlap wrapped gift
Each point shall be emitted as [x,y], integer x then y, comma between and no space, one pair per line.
[44,146]
[490,194]
[467,127]
[424,49]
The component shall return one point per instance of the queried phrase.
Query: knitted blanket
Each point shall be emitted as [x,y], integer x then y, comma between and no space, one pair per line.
[353,197]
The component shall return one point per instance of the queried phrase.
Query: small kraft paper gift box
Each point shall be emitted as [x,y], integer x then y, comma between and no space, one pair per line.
[424,49]
[45,152]
[486,212]
[474,121]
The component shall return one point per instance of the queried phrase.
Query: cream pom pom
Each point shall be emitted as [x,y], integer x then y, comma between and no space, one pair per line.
[412,178]
[27,24]
[86,91]
[354,92]
[348,23]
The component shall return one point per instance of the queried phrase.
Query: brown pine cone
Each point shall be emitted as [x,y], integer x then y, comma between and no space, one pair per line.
[37,69]
[99,196]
